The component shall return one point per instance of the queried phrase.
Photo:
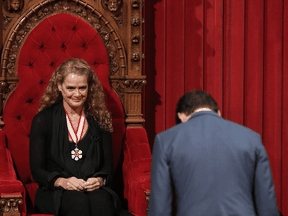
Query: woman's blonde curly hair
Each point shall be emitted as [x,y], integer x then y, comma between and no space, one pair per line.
[95,102]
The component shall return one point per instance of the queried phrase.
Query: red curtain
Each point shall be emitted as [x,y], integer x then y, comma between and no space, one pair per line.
[235,50]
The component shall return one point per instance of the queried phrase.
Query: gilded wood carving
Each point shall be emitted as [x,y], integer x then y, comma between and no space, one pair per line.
[112,5]
[9,205]
[14,5]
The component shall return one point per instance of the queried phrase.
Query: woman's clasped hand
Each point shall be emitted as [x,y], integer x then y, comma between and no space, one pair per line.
[74,183]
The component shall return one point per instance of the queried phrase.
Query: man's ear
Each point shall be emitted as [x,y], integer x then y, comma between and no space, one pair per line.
[183,117]
[179,115]
[219,113]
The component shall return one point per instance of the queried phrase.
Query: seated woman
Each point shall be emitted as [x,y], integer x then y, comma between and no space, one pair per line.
[70,145]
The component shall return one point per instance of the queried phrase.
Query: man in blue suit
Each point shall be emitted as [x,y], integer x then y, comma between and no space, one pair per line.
[213,167]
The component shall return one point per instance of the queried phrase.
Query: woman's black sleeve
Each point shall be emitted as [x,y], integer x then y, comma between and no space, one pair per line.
[38,152]
[107,163]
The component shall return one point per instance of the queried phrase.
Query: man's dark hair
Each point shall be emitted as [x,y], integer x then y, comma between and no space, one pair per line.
[194,100]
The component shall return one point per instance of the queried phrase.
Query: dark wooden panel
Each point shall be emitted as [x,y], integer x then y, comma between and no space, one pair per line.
[1,26]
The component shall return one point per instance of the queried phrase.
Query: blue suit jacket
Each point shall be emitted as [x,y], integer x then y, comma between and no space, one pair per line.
[214,167]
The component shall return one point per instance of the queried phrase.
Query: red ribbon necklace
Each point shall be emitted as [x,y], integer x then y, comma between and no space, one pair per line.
[76,135]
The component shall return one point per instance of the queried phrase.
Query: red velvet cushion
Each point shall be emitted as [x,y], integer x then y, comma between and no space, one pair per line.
[51,42]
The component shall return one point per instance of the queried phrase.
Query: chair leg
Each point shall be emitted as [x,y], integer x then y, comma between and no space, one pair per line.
[9,205]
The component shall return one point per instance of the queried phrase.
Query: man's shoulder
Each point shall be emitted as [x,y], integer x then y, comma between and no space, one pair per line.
[172,132]
[241,128]
[228,126]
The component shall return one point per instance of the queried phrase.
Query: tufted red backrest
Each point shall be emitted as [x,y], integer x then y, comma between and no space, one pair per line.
[51,42]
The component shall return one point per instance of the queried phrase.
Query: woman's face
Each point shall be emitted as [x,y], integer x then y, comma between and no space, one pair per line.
[74,90]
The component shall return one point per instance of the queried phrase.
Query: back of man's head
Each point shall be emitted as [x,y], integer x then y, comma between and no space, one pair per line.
[194,100]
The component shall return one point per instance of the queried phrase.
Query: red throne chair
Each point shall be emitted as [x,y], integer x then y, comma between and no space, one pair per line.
[42,36]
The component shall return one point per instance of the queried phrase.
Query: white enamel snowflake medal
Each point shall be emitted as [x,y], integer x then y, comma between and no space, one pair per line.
[76,154]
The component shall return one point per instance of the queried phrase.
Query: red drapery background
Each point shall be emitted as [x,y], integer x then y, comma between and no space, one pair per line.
[235,50]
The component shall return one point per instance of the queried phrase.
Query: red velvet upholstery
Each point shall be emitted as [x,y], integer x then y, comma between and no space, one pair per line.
[136,168]
[54,40]
[8,180]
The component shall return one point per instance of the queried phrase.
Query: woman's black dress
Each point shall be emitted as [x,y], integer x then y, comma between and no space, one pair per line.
[50,158]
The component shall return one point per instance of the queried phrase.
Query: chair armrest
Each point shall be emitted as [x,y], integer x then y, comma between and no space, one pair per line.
[12,191]
[136,170]
[7,168]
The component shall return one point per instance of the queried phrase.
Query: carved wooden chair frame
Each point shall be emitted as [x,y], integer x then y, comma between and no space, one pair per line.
[120,27]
